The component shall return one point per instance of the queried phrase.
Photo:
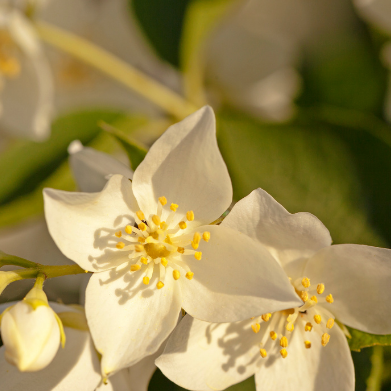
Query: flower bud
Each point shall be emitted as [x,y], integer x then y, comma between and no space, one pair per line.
[31,334]
[6,278]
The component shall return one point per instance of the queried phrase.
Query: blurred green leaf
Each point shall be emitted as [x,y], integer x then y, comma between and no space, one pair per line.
[362,340]
[162,23]
[303,168]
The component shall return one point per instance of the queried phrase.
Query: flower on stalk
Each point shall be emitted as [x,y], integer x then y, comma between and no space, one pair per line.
[302,347]
[151,248]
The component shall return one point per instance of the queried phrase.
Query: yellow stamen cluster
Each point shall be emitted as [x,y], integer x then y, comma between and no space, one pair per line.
[256,327]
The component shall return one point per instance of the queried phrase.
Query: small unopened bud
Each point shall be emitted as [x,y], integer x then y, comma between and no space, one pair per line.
[6,278]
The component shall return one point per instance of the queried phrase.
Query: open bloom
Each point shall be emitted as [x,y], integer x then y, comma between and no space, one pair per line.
[148,242]
[301,348]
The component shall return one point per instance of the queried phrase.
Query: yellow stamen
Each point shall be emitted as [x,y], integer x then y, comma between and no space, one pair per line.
[141,239]
[305,282]
[142,227]
[134,268]
[140,215]
[163,200]
[314,298]
[159,285]
[156,219]
[304,295]
[329,298]
[146,280]
[189,275]
[196,240]
[320,289]
[182,225]
[164,262]
[325,339]
[283,353]
[120,245]
[290,327]
[307,344]
[176,274]
[330,323]
[118,234]
[273,335]
[190,215]
[308,326]
[180,250]
[144,260]
[284,342]
[263,353]
[206,236]
[139,248]
[163,225]
[174,207]
[317,319]
[128,229]
[256,327]
[266,317]
[198,255]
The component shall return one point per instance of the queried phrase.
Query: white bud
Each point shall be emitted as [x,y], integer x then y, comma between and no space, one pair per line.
[31,335]
[6,278]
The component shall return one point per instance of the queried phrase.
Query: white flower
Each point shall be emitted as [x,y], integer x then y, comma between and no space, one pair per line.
[147,239]
[25,78]
[302,348]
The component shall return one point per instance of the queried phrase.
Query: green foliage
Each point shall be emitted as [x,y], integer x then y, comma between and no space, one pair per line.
[361,340]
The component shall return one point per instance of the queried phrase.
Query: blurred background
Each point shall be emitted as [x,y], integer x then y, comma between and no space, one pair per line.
[301,91]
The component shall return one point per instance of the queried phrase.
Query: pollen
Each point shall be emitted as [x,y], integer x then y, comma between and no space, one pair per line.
[140,215]
[196,240]
[174,207]
[134,268]
[189,275]
[325,339]
[320,289]
[308,326]
[190,215]
[317,319]
[120,245]
[141,239]
[256,327]
[273,335]
[163,200]
[156,220]
[159,285]
[263,353]
[307,344]
[283,353]
[144,260]
[284,342]
[290,327]
[266,317]
[164,225]
[146,280]
[304,296]
[142,227]
[182,225]
[206,236]
[329,298]
[314,299]
[330,323]
[180,250]
[164,262]
[198,255]
[118,234]
[128,229]
[305,282]
[139,248]
[176,274]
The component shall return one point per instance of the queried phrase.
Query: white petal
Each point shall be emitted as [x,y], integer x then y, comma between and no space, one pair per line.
[287,236]
[82,224]
[91,168]
[185,166]
[141,373]
[211,356]
[359,278]
[76,368]
[318,368]
[118,382]
[129,320]
[236,278]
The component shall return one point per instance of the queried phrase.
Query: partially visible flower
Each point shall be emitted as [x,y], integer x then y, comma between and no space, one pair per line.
[302,348]
[6,277]
[151,248]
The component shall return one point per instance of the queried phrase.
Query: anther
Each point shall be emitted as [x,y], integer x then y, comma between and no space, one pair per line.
[307,344]
[206,236]
[304,296]
[174,207]
[314,298]
[320,289]
[263,353]
[144,260]
[146,280]
[180,250]
[329,298]
[139,248]
[284,342]
[256,327]
[142,227]
[190,215]
[163,200]
[176,274]
[163,225]
[317,319]
[156,219]
[134,268]
[189,275]
[196,240]
[290,327]
[118,234]
[305,282]
[182,225]
[283,353]
[198,255]
[266,317]
[273,335]
[120,245]
[159,285]
[164,262]
[128,229]
[140,239]
[325,339]
[308,326]
[140,215]
[330,323]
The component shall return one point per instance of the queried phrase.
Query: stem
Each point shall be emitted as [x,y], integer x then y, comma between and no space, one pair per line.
[61,270]
[7,259]
[117,69]
[374,380]
[40,280]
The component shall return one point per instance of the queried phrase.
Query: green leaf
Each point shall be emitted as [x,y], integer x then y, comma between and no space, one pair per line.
[136,152]
[303,168]
[161,21]
[361,340]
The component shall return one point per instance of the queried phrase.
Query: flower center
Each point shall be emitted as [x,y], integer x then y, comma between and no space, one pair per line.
[9,64]
[311,317]
[153,242]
